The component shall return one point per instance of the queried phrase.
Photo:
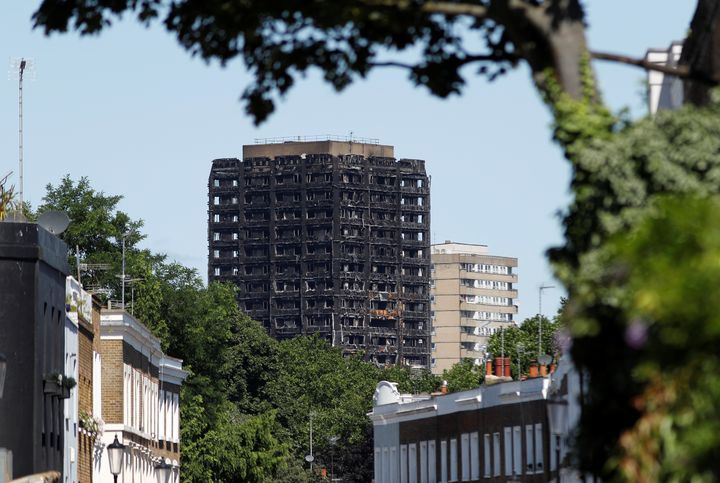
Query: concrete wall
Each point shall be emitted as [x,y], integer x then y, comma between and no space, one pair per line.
[335,148]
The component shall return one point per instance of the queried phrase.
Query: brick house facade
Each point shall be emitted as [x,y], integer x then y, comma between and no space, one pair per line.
[140,398]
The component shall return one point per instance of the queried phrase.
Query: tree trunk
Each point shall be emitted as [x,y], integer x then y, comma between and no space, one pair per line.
[551,38]
[701,51]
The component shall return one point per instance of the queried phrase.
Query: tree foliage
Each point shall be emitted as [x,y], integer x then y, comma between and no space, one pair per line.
[463,376]
[280,41]
[520,343]
[97,225]
[616,183]
[648,298]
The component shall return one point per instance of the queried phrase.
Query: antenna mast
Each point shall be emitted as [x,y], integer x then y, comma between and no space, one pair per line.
[23,64]
[20,66]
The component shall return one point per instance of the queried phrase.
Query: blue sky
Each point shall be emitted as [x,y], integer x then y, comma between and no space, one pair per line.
[136,114]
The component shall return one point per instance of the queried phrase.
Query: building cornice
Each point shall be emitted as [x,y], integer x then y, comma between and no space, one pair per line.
[481,397]
[171,370]
[119,325]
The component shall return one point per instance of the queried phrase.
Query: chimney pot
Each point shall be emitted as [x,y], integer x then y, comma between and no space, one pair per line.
[444,387]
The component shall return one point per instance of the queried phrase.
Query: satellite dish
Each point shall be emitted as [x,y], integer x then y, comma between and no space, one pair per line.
[55,222]
[545,359]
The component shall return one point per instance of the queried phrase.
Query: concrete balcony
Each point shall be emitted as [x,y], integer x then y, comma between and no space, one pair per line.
[488,291]
[502,309]
[510,278]
[465,337]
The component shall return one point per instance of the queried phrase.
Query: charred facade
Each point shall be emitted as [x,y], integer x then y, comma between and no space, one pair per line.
[329,238]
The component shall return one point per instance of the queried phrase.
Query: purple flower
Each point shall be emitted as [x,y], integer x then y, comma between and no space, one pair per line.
[564,340]
[636,334]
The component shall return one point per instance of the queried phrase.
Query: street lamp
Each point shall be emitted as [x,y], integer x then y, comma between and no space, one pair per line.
[540,316]
[557,421]
[3,367]
[163,470]
[333,441]
[116,452]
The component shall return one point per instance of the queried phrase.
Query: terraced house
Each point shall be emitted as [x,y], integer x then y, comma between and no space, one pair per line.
[140,399]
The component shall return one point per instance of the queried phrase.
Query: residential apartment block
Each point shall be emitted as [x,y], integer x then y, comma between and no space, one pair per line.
[473,296]
[140,399]
[327,237]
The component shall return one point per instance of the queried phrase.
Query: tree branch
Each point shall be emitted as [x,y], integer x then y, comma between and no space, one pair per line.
[446,8]
[450,8]
[680,71]
[468,59]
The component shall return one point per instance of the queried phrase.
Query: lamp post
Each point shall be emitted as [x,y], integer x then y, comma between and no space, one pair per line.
[333,440]
[163,470]
[557,421]
[540,316]
[3,369]
[116,453]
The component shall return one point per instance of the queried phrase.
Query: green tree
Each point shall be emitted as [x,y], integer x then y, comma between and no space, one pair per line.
[412,381]
[238,448]
[96,224]
[314,378]
[463,375]
[522,341]
[345,40]
[647,307]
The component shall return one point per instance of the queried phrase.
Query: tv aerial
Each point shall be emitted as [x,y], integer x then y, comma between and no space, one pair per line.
[55,222]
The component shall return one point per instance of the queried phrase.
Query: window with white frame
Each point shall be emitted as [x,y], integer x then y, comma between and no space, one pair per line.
[517,451]
[486,456]
[529,451]
[465,456]
[496,454]
[378,464]
[474,456]
[432,457]
[161,416]
[393,463]
[423,462]
[507,442]
[403,464]
[176,418]
[386,464]
[412,464]
[453,460]
[216,271]
[443,462]
[539,456]
[168,416]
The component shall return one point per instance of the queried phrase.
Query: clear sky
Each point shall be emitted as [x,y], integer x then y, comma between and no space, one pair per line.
[136,114]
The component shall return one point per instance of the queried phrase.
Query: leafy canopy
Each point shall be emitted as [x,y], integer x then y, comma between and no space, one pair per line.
[280,41]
